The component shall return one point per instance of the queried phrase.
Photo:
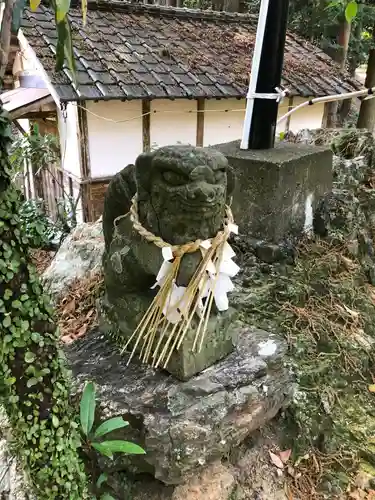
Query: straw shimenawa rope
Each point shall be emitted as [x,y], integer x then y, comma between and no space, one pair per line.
[156,336]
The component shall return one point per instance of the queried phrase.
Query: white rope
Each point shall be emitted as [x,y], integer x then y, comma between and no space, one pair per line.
[165,111]
[278,96]
[330,98]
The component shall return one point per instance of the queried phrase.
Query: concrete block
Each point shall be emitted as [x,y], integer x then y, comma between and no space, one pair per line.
[277,190]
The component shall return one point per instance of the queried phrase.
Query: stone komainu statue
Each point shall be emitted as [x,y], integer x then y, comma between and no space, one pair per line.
[118,199]
[182,193]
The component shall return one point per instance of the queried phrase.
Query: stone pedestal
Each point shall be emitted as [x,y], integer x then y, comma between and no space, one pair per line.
[219,341]
[277,190]
[183,426]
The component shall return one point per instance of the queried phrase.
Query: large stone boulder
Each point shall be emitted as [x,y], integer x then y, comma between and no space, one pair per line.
[184,426]
[80,254]
[12,480]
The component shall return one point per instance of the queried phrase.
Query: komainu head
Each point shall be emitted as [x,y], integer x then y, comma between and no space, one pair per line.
[182,192]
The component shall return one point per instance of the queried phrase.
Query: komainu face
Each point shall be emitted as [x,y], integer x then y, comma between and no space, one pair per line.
[183,190]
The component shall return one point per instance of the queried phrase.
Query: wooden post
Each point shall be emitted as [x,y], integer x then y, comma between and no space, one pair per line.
[290,107]
[200,122]
[83,137]
[146,125]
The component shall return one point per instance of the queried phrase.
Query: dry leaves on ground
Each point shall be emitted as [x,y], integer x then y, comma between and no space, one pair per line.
[77,310]
[41,259]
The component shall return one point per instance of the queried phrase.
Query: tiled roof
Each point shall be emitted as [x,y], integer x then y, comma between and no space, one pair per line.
[133,51]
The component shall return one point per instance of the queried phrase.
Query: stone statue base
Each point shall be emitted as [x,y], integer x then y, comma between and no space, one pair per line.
[219,341]
[184,426]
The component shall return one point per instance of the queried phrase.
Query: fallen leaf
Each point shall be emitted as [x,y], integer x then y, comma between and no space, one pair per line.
[90,313]
[357,495]
[371,388]
[302,459]
[276,460]
[291,471]
[81,331]
[70,307]
[354,314]
[348,263]
[285,455]
[67,339]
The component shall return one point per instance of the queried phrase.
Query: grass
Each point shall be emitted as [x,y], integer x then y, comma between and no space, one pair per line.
[325,308]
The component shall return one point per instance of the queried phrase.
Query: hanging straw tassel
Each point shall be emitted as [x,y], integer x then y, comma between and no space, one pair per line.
[156,334]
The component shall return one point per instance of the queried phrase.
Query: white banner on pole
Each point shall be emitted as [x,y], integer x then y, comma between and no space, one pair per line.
[254,72]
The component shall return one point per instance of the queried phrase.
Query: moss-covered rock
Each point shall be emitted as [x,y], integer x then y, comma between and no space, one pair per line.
[325,306]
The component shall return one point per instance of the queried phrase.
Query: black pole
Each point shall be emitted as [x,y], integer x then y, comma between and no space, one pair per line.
[264,117]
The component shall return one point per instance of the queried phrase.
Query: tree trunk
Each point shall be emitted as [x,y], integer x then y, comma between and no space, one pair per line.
[343,40]
[5,36]
[343,111]
[333,115]
[366,117]
[231,5]
[218,5]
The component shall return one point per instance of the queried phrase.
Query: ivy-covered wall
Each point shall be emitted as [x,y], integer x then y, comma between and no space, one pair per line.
[34,383]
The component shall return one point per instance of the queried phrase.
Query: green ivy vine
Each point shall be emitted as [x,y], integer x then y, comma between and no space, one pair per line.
[34,383]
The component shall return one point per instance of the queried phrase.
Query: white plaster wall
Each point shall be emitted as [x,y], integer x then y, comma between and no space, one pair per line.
[69,140]
[173,122]
[112,145]
[223,120]
[308,117]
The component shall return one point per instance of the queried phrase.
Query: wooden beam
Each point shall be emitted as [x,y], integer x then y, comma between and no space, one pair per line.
[83,138]
[146,125]
[290,107]
[41,115]
[84,141]
[200,122]
[98,180]
[35,109]
[23,132]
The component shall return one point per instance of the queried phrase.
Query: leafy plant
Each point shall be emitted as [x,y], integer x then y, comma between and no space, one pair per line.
[66,214]
[351,8]
[64,49]
[106,448]
[42,151]
[93,438]
[37,149]
[320,22]
[38,228]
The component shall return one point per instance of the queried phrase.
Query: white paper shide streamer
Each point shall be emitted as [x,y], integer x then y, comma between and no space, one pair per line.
[217,283]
